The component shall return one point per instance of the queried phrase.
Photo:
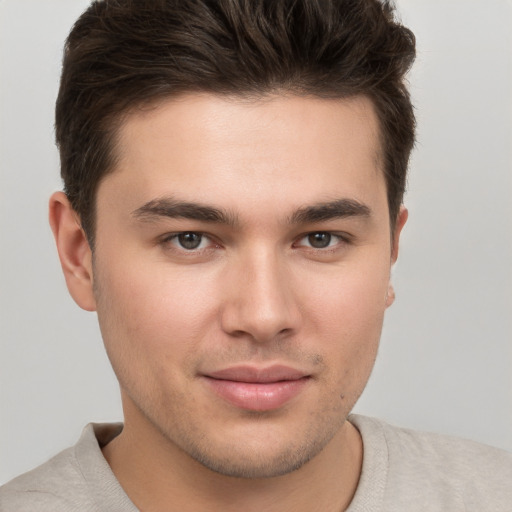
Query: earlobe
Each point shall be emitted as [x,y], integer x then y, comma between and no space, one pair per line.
[74,252]
[390,295]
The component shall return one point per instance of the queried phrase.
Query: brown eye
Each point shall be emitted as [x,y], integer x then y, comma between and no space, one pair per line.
[319,240]
[189,240]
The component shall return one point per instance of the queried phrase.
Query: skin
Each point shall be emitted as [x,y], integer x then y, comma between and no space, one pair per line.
[254,292]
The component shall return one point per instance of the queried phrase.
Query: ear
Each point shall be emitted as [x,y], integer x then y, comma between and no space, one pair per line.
[74,252]
[401,219]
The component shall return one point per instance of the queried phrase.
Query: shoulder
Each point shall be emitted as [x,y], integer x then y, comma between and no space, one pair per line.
[444,469]
[42,488]
[76,479]
[460,458]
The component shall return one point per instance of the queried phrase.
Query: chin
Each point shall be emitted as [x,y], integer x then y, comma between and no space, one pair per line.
[261,452]
[257,466]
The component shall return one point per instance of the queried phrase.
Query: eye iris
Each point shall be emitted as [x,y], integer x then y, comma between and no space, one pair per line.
[319,240]
[189,240]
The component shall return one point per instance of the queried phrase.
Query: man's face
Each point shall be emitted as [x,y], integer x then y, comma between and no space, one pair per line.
[241,274]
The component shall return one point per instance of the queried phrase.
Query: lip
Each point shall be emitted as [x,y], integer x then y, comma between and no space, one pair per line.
[257,389]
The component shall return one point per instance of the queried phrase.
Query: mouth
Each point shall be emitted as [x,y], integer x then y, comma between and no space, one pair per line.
[257,389]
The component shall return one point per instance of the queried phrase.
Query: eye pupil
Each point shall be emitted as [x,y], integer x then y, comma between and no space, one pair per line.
[319,240]
[190,240]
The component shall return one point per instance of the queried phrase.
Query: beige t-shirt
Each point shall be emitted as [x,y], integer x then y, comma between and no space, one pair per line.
[403,471]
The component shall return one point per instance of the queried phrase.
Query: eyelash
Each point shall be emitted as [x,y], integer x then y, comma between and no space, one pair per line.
[341,239]
[169,239]
[173,239]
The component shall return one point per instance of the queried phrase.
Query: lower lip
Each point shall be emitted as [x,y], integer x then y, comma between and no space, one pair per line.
[257,396]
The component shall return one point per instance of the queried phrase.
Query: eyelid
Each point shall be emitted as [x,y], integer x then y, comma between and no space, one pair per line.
[343,238]
[168,238]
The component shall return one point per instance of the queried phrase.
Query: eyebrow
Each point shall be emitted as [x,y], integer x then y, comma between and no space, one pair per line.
[172,208]
[340,208]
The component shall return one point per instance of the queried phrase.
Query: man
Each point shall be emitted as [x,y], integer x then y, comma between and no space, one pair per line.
[234,174]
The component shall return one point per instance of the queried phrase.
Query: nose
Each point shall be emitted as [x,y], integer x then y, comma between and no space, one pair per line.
[259,301]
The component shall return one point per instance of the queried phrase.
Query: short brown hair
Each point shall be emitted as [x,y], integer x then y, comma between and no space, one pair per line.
[123,53]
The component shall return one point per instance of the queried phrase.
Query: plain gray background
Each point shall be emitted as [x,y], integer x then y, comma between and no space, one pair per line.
[445,362]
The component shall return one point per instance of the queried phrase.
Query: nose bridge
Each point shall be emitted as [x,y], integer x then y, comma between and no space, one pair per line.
[260,300]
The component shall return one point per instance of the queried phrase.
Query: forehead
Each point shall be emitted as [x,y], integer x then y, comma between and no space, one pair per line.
[226,118]
[288,149]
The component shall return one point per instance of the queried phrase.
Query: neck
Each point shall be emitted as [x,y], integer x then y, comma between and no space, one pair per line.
[158,476]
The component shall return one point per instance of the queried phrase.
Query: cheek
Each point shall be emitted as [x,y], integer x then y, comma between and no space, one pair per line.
[150,316]
[349,300]
[157,295]
[348,316]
